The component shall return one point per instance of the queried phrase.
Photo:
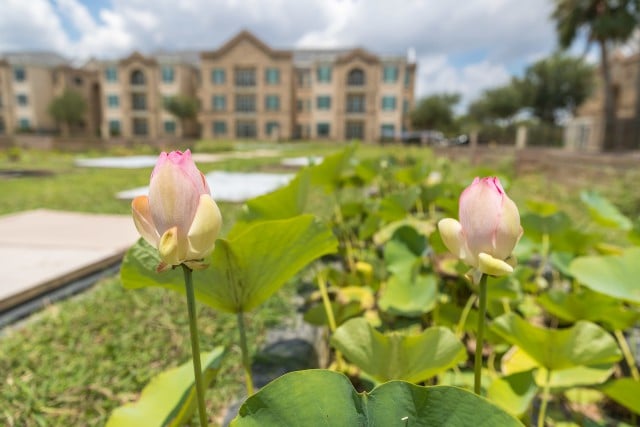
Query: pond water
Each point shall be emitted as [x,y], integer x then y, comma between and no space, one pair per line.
[230,186]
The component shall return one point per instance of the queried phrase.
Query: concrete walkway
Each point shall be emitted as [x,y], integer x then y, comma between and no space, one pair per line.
[43,250]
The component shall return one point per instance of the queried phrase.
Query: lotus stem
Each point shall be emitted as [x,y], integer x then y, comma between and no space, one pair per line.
[628,356]
[482,309]
[246,363]
[545,399]
[195,344]
[326,302]
[463,316]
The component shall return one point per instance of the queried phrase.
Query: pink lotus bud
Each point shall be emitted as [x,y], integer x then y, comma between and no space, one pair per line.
[179,216]
[488,230]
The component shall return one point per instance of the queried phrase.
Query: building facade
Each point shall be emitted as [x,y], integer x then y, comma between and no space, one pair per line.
[245,89]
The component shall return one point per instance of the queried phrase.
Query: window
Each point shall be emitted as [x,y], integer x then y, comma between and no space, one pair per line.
[387,131]
[405,106]
[407,77]
[77,80]
[113,101]
[246,103]
[219,103]
[323,74]
[355,77]
[245,77]
[24,124]
[323,130]
[2,126]
[140,127]
[169,127]
[303,105]
[303,77]
[19,74]
[139,101]
[167,74]
[323,103]
[245,129]
[114,127]
[219,128]
[390,74]
[22,100]
[218,76]
[111,74]
[355,104]
[272,76]
[389,103]
[272,103]
[137,77]
[355,130]
[272,128]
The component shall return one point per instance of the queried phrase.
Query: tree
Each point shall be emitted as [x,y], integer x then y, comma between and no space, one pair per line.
[435,112]
[184,108]
[556,84]
[502,102]
[68,109]
[604,21]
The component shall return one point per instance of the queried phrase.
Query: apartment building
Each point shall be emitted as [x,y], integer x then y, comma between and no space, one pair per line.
[249,90]
[26,90]
[245,89]
[134,91]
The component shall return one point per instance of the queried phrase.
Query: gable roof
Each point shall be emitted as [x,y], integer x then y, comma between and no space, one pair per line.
[358,53]
[137,56]
[245,35]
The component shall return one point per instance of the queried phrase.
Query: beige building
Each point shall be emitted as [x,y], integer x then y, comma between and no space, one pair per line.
[585,130]
[249,90]
[245,89]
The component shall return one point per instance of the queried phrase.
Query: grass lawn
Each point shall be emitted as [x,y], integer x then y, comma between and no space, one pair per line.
[77,360]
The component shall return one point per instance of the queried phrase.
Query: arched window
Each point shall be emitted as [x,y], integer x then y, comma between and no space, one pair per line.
[355,77]
[137,77]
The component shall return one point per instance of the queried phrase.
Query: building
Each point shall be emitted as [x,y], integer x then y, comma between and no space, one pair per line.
[245,89]
[585,131]
[249,90]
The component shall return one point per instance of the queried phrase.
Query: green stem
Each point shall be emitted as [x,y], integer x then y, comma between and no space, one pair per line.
[464,315]
[482,309]
[245,354]
[624,346]
[195,344]
[326,302]
[545,399]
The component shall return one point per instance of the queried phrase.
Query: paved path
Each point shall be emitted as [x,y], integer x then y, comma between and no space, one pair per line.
[42,250]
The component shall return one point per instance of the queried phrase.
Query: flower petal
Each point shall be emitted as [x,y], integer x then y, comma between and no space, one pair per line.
[169,248]
[493,266]
[453,238]
[143,220]
[204,229]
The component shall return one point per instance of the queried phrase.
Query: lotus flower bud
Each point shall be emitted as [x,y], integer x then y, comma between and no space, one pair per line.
[489,228]
[179,216]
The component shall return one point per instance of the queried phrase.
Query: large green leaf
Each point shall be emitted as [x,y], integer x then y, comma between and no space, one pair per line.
[614,275]
[583,344]
[245,270]
[604,212]
[325,398]
[625,391]
[588,305]
[409,295]
[170,398]
[385,357]
[514,393]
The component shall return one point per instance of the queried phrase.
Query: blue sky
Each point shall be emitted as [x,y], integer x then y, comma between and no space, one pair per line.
[464,46]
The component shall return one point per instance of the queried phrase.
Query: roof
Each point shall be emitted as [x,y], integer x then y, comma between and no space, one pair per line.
[40,59]
[246,36]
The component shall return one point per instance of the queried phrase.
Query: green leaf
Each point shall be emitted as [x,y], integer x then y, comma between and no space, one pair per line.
[325,398]
[410,295]
[170,397]
[245,270]
[588,305]
[625,391]
[514,393]
[397,206]
[614,275]
[603,212]
[578,376]
[423,227]
[384,357]
[585,343]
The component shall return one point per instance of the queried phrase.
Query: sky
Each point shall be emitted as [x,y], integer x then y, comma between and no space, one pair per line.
[462,46]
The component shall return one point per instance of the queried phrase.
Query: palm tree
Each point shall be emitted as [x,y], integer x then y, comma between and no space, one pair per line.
[605,22]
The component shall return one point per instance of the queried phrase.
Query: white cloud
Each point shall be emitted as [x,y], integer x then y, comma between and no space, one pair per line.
[31,25]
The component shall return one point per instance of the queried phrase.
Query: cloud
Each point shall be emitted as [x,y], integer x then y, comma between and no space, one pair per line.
[32,25]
